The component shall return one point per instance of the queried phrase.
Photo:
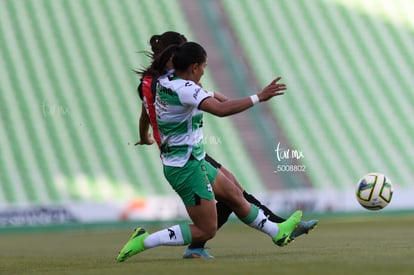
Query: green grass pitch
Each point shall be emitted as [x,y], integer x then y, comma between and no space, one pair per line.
[364,244]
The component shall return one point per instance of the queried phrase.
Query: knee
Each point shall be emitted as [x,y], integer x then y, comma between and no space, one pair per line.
[210,232]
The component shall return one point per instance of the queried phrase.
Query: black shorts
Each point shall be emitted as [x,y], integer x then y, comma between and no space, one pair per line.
[214,163]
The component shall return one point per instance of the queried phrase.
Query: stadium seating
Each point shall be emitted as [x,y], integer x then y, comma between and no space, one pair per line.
[69,109]
[347,65]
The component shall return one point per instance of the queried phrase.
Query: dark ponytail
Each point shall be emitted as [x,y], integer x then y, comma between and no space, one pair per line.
[159,64]
[182,57]
[158,44]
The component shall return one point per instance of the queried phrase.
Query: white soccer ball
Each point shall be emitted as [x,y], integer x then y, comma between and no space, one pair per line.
[374,191]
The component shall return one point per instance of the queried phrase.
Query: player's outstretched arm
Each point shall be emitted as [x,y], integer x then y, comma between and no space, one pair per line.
[234,106]
[220,97]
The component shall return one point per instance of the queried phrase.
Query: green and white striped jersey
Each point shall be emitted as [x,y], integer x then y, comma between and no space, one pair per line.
[179,119]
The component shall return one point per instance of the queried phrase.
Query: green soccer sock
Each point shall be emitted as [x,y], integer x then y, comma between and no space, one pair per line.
[257,219]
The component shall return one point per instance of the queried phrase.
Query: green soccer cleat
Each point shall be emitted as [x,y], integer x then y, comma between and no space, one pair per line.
[196,253]
[134,246]
[304,227]
[286,228]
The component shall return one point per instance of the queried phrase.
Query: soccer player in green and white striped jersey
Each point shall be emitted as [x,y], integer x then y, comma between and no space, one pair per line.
[146,91]
[179,101]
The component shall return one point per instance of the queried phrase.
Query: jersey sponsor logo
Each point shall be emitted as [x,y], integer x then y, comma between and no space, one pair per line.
[196,92]
[165,90]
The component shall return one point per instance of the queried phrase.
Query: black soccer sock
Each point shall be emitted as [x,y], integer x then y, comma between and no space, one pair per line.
[271,216]
[223,214]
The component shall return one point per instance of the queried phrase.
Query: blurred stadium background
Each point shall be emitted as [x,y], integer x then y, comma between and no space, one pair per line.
[69,109]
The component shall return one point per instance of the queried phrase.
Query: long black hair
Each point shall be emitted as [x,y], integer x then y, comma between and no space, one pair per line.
[158,43]
[182,57]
